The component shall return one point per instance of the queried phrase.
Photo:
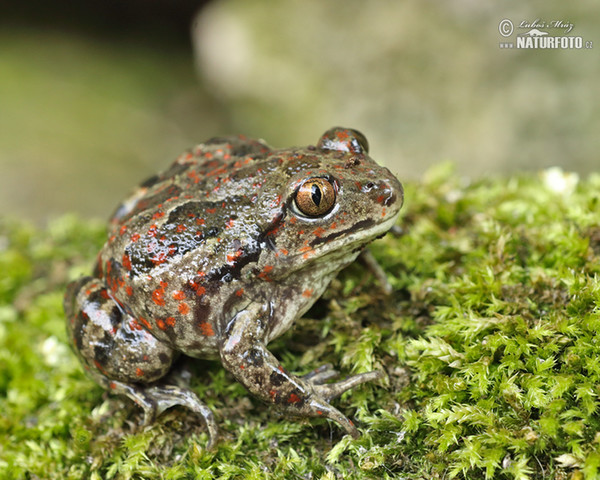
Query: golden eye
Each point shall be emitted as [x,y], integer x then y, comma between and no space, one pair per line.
[315,197]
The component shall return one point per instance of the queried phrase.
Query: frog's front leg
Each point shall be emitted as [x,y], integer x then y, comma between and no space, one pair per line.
[244,353]
[120,353]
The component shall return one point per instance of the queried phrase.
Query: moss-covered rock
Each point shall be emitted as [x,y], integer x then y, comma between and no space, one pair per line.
[489,340]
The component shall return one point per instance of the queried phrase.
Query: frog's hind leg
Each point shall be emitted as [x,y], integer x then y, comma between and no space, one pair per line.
[119,353]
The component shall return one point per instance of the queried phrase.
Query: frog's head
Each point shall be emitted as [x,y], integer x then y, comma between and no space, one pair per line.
[337,200]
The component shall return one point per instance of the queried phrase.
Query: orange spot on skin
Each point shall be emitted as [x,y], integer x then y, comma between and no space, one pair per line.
[383,212]
[211,210]
[170,321]
[123,229]
[146,323]
[158,297]
[134,325]
[180,228]
[179,295]
[184,309]
[161,324]
[129,290]
[239,292]
[242,367]
[207,329]
[135,237]
[126,261]
[272,394]
[112,385]
[317,232]
[200,221]
[158,214]
[307,293]
[264,274]
[139,372]
[201,291]
[104,294]
[229,223]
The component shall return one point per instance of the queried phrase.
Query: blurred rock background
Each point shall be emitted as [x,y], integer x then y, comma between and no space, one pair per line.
[96,96]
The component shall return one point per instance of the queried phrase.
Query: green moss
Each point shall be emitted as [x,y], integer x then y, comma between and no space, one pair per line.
[489,340]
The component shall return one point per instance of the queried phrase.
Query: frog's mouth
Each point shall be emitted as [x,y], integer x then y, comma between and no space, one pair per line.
[342,247]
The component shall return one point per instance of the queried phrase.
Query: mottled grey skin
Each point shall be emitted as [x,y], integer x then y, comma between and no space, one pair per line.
[216,257]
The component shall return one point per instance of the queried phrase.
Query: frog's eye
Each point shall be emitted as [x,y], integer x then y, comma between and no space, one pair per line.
[315,197]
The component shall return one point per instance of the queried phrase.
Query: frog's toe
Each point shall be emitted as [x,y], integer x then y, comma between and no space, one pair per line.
[333,390]
[321,374]
[323,409]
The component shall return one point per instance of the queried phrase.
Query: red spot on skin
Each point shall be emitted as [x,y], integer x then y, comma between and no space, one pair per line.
[208,155]
[129,290]
[293,398]
[112,385]
[293,220]
[99,367]
[170,321]
[179,295]
[104,294]
[135,237]
[319,412]
[383,212]
[160,324]
[272,394]
[200,221]
[146,358]
[126,261]
[280,368]
[139,372]
[242,367]
[181,228]
[307,293]
[333,226]
[239,292]
[229,223]
[158,214]
[211,210]
[201,291]
[358,185]
[152,231]
[184,309]
[123,230]
[207,329]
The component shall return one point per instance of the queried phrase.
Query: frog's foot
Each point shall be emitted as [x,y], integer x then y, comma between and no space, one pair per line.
[323,393]
[155,399]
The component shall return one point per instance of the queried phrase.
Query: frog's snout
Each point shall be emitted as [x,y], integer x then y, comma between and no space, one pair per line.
[386,192]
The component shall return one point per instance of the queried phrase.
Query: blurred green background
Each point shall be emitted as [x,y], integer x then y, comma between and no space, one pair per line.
[96,96]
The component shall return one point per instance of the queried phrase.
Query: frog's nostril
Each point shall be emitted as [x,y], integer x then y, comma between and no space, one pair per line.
[390,199]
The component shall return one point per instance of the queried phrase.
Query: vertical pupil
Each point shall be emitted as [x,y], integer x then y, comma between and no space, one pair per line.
[316,195]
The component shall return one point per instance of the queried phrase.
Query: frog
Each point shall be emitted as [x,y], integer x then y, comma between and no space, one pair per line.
[217,256]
